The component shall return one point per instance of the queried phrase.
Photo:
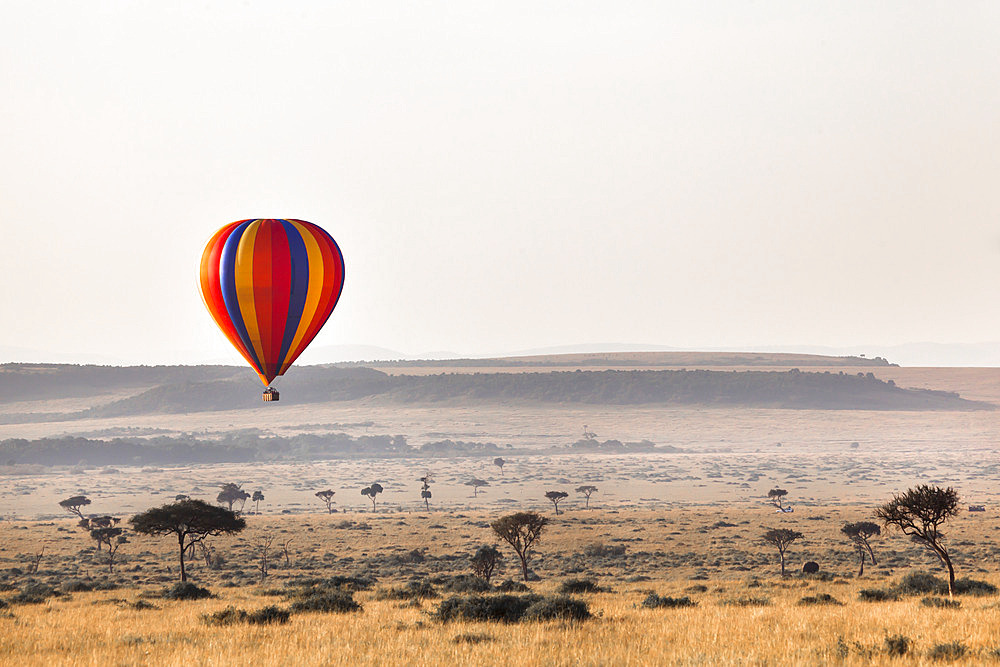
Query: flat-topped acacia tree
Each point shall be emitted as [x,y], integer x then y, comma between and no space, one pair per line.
[190,520]
[372,491]
[555,497]
[521,531]
[859,533]
[780,538]
[74,503]
[587,490]
[327,497]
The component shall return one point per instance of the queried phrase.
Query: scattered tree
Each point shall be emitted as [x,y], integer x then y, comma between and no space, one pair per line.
[859,533]
[499,462]
[555,497]
[232,494]
[74,503]
[113,537]
[521,531]
[327,497]
[190,520]
[587,490]
[372,491]
[780,538]
[919,513]
[485,562]
[776,496]
[257,496]
[475,484]
[94,522]
[425,491]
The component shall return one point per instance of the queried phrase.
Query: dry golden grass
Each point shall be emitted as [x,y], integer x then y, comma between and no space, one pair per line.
[100,628]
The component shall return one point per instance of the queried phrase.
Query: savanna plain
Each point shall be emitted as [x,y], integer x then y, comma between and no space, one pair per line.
[665,563]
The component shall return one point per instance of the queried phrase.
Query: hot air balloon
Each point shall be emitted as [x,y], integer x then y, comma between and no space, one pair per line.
[271,285]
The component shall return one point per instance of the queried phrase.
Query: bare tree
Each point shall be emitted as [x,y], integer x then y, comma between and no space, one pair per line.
[556,497]
[780,538]
[920,513]
[425,490]
[859,533]
[476,484]
[286,553]
[263,547]
[485,562]
[36,561]
[521,531]
[499,462]
[372,491]
[327,497]
[587,490]
[257,496]
[74,503]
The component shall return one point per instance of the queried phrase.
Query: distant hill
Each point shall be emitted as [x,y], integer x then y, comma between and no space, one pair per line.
[183,389]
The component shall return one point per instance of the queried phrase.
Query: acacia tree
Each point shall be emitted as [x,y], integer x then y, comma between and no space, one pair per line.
[521,531]
[775,496]
[257,496]
[74,503]
[190,520]
[475,484]
[327,497]
[859,533]
[587,490]
[93,522]
[498,462]
[232,494]
[780,538]
[372,491]
[425,491]
[113,537]
[555,497]
[485,562]
[920,513]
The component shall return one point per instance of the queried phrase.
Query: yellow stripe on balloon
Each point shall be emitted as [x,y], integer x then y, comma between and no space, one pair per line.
[313,294]
[243,272]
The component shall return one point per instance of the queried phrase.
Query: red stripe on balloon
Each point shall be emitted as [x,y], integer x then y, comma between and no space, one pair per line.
[263,291]
[281,276]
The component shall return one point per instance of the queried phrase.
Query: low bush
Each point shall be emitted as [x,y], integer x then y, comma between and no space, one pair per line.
[497,608]
[34,593]
[940,603]
[822,598]
[877,595]
[576,586]
[511,586]
[463,583]
[185,590]
[897,645]
[974,587]
[76,586]
[413,590]
[654,601]
[601,550]
[747,601]
[231,615]
[921,583]
[471,638]
[557,607]
[337,601]
[949,651]
[142,605]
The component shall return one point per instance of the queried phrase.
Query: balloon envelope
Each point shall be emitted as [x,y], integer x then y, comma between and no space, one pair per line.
[271,285]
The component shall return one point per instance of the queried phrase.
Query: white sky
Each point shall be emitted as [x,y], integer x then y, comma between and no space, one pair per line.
[507,175]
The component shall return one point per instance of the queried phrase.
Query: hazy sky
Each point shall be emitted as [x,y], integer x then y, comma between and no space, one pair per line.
[507,175]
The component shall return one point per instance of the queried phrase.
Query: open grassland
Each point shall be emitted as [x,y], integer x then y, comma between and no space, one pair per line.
[744,612]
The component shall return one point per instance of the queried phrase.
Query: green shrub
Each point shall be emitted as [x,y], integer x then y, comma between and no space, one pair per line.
[822,598]
[975,587]
[231,616]
[511,586]
[34,593]
[654,601]
[338,601]
[497,608]
[877,595]
[576,586]
[921,583]
[941,603]
[413,590]
[76,586]
[897,645]
[601,550]
[950,651]
[185,590]
[557,607]
[463,583]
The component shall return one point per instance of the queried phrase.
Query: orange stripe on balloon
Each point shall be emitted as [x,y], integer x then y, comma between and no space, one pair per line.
[243,272]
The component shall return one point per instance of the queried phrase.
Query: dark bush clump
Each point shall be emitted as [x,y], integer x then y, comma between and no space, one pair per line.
[414,590]
[941,603]
[557,607]
[601,550]
[747,601]
[897,645]
[877,595]
[142,605]
[185,590]
[921,583]
[353,584]
[571,586]
[231,616]
[471,638]
[326,600]
[511,586]
[812,567]
[76,586]
[498,608]
[654,601]
[822,598]
[34,593]
[950,651]
[966,586]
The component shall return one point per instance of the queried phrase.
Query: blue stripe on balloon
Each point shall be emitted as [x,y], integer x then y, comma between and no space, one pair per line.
[299,287]
[227,278]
